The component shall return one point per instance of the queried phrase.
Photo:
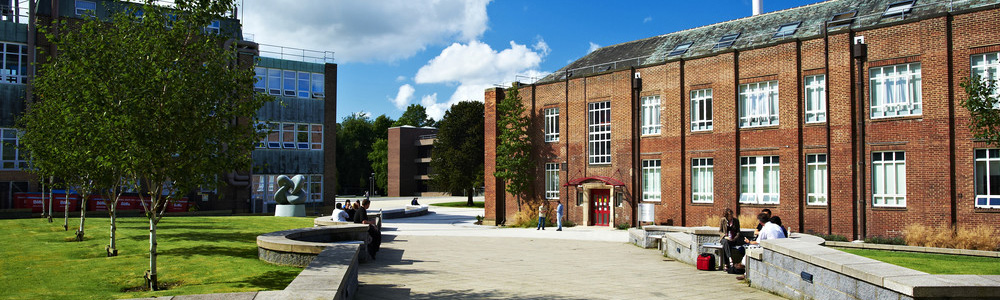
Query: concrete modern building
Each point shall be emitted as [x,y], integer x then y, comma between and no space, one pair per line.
[843,117]
[302,120]
[410,150]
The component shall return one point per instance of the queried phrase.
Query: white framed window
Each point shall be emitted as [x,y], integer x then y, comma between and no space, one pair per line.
[288,83]
[815,98]
[552,124]
[599,115]
[702,180]
[85,7]
[214,27]
[314,186]
[552,181]
[11,156]
[14,64]
[317,86]
[895,91]
[986,66]
[316,136]
[987,178]
[274,82]
[650,115]
[759,104]
[816,178]
[651,180]
[303,85]
[302,137]
[701,110]
[274,135]
[263,140]
[889,179]
[759,179]
[259,80]
[288,135]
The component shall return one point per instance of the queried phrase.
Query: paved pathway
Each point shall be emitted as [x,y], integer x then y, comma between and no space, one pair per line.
[442,255]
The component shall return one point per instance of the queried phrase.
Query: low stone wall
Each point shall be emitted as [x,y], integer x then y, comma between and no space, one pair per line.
[680,243]
[915,249]
[298,247]
[407,212]
[800,268]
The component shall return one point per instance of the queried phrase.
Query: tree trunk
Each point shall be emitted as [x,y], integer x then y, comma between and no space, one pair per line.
[43,199]
[151,273]
[83,216]
[66,212]
[51,181]
[113,247]
[470,192]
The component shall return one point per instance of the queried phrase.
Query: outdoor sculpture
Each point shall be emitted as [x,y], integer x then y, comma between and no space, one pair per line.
[290,197]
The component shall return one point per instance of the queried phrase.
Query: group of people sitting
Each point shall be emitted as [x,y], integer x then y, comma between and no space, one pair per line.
[768,227]
[358,213]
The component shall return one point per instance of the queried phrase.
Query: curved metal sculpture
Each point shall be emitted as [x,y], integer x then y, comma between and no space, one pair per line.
[290,196]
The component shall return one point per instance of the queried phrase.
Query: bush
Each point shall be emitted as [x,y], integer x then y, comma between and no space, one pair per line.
[832,237]
[885,240]
[981,237]
[622,226]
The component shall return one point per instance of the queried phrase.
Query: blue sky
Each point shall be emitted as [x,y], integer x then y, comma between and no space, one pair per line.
[392,53]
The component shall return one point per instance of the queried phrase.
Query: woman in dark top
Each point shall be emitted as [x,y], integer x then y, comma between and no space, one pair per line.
[729,230]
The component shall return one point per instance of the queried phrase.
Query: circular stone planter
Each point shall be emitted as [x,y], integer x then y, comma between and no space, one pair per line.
[297,247]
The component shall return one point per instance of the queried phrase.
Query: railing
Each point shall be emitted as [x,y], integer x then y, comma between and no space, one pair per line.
[427,136]
[289,53]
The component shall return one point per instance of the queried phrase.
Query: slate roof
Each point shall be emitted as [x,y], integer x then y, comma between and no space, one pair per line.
[757,32]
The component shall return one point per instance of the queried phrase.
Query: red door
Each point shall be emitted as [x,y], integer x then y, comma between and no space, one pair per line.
[601,203]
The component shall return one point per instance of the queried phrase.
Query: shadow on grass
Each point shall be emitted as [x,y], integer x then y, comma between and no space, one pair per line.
[273,280]
[210,250]
[204,236]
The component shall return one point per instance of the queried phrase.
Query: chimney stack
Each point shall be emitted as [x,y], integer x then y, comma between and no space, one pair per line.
[758,7]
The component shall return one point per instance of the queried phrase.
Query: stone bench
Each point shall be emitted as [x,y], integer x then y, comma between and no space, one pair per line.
[298,247]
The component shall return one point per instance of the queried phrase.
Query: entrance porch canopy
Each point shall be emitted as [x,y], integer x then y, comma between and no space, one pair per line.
[607,180]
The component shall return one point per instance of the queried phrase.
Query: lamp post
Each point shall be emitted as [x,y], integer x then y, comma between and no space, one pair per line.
[371,186]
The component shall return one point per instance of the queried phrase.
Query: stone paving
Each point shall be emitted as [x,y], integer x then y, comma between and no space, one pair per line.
[443,255]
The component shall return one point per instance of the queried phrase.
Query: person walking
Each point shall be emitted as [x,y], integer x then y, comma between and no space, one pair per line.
[541,216]
[559,216]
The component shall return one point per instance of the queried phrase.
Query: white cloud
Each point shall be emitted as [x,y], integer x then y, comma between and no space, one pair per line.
[647,20]
[384,30]
[404,96]
[593,47]
[400,78]
[476,66]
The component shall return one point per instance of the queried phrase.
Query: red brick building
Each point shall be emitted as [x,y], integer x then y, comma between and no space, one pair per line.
[780,110]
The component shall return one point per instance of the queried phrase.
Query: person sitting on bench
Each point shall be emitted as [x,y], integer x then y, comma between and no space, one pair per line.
[729,231]
[414,202]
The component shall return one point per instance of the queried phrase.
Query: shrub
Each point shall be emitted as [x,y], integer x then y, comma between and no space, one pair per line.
[622,226]
[746,221]
[981,237]
[885,240]
[832,237]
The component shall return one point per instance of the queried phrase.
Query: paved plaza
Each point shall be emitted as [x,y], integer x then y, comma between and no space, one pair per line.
[443,255]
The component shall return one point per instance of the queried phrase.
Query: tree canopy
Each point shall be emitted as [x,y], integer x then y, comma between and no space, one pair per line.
[982,102]
[514,164]
[355,137]
[458,154]
[415,115]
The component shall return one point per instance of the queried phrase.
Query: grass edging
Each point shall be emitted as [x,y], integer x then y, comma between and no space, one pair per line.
[914,249]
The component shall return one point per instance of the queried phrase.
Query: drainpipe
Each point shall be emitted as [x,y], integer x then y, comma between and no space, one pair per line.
[951,120]
[829,156]
[636,84]
[566,143]
[859,52]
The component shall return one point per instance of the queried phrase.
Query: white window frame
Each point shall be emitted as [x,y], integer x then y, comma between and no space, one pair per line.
[895,91]
[759,104]
[302,84]
[85,10]
[300,129]
[11,137]
[892,167]
[274,128]
[987,66]
[817,172]
[316,143]
[599,137]
[260,79]
[758,173]
[274,82]
[701,110]
[815,97]
[986,195]
[214,27]
[651,180]
[702,180]
[651,115]
[552,181]
[551,124]
[286,131]
[17,75]
[318,86]
[289,79]
[317,181]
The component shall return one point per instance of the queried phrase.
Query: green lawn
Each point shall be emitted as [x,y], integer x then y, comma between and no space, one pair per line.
[933,263]
[197,255]
[477,204]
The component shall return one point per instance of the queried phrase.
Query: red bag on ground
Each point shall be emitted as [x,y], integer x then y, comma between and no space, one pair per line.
[706,262]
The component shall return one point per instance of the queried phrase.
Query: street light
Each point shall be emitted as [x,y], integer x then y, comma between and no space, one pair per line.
[371,186]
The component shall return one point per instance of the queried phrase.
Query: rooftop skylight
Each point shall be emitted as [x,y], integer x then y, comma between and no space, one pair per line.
[787,29]
[726,41]
[898,9]
[841,19]
[680,49]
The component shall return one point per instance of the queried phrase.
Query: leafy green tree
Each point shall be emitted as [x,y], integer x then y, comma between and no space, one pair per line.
[982,103]
[458,156]
[154,87]
[514,163]
[379,158]
[354,142]
[415,115]
[381,126]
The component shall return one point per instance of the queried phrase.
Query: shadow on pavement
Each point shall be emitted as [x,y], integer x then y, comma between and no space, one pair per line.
[392,291]
[431,218]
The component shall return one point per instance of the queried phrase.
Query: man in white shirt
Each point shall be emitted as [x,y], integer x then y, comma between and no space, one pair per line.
[769,231]
[339,214]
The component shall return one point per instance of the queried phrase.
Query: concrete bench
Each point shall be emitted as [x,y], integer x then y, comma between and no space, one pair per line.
[298,247]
